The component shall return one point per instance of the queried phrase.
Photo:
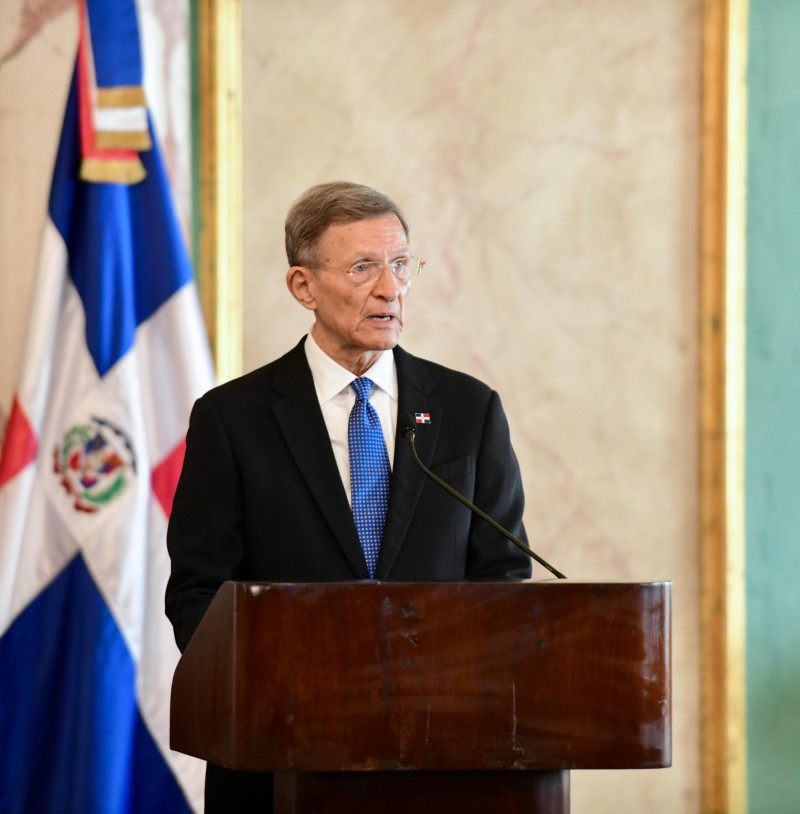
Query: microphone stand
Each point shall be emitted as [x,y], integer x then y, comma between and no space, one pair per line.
[408,433]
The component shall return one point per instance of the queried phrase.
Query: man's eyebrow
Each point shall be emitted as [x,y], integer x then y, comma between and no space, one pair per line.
[373,257]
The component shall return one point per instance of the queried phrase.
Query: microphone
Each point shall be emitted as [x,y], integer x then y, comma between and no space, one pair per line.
[406,428]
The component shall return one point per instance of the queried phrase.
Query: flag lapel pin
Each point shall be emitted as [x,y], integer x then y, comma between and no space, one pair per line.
[422,418]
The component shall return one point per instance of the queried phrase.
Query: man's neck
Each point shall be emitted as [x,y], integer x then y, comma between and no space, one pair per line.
[357,363]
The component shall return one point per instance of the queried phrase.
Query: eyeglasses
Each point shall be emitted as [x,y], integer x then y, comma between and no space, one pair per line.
[403,269]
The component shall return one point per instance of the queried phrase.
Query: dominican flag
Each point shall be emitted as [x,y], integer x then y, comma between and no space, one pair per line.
[115,356]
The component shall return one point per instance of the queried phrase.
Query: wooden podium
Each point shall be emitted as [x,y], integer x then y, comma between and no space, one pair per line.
[422,697]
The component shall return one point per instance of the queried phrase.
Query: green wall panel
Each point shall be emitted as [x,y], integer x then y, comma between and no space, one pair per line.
[773,408]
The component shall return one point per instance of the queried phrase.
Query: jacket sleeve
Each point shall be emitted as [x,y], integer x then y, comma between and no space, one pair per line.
[499,493]
[204,538]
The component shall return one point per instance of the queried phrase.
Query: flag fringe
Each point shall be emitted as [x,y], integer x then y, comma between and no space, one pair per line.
[121,96]
[100,170]
[122,140]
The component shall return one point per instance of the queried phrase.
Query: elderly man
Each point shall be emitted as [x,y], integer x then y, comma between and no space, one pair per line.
[294,473]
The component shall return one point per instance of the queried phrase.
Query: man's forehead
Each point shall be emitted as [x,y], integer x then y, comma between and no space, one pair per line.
[380,223]
[379,233]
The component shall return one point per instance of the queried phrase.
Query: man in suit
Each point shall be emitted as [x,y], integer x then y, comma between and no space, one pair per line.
[295,472]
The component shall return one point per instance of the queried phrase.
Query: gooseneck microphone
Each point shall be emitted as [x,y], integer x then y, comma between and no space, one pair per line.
[406,428]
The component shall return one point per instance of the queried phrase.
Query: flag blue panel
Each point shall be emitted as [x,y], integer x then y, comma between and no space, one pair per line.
[72,735]
[122,280]
[115,42]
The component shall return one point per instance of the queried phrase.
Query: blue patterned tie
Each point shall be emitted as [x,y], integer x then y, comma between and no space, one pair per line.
[370,473]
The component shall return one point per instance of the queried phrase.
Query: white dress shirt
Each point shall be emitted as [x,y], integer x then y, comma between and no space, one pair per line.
[337,397]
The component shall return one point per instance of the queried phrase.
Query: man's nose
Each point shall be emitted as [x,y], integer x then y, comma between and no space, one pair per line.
[387,285]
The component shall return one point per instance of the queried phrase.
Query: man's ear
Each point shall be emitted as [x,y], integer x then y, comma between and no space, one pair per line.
[299,280]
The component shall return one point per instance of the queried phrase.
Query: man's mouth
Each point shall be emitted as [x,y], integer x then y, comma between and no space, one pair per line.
[382,317]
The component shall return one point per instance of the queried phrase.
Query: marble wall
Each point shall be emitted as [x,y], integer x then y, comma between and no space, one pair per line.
[33,91]
[546,155]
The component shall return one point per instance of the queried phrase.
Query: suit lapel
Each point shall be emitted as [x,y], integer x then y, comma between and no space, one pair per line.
[415,387]
[300,420]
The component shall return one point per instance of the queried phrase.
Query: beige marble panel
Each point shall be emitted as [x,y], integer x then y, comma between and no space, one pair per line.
[546,154]
[33,93]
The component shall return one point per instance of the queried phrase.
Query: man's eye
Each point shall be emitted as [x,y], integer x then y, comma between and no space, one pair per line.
[360,268]
[400,264]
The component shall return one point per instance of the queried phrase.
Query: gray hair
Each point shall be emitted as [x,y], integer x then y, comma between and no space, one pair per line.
[325,204]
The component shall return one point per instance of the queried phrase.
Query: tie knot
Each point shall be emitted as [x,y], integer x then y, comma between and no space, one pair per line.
[362,387]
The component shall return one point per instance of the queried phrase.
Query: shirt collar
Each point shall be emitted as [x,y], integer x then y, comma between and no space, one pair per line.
[330,378]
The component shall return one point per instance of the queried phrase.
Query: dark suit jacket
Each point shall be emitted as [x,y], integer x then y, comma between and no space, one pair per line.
[260,496]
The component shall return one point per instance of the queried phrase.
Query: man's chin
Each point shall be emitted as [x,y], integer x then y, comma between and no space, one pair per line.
[383,340]
[386,344]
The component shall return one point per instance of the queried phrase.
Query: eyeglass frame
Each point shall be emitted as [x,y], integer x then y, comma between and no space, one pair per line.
[352,270]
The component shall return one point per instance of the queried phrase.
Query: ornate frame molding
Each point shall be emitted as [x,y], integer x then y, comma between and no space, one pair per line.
[219,177]
[722,400]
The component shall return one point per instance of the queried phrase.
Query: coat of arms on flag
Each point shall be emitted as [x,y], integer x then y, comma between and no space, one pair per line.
[95,463]
[115,355]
